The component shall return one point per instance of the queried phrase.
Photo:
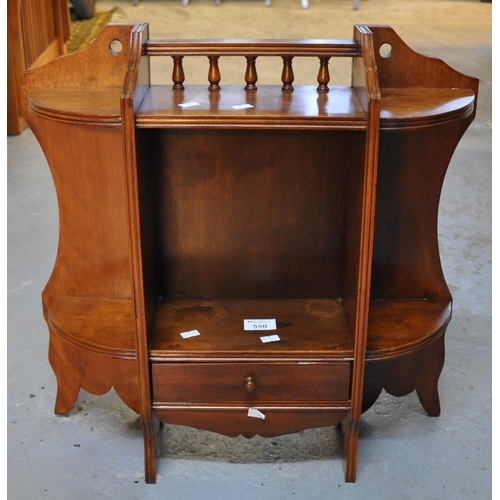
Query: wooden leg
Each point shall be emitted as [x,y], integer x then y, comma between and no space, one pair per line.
[350,429]
[149,451]
[66,396]
[68,380]
[428,377]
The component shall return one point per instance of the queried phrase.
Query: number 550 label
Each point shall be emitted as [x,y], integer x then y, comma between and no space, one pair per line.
[259,325]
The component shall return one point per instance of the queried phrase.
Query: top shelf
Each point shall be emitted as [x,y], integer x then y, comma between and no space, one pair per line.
[267,107]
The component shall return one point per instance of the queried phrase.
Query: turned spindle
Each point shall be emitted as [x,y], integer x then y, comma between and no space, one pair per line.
[178,73]
[323,75]
[251,74]
[287,74]
[214,73]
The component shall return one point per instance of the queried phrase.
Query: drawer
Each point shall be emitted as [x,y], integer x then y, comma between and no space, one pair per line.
[250,382]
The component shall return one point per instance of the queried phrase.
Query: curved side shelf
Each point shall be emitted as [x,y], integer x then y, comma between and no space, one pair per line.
[103,326]
[89,106]
[416,108]
[399,327]
[406,350]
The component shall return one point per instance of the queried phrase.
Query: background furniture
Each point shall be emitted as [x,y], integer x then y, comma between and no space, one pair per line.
[184,209]
[37,31]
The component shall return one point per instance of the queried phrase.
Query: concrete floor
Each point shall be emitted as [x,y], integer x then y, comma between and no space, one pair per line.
[96,451]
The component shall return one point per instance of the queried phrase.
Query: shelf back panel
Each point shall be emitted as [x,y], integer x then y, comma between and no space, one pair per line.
[250,214]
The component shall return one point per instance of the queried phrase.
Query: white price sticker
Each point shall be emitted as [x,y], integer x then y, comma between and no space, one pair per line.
[242,106]
[270,338]
[191,333]
[259,325]
[189,104]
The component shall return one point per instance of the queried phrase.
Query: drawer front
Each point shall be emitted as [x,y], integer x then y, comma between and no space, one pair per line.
[250,382]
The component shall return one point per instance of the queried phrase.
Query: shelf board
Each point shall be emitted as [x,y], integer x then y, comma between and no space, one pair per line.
[313,328]
[105,326]
[75,105]
[422,107]
[398,327]
[305,107]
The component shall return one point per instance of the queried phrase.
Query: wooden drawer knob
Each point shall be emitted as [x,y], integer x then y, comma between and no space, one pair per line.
[249,384]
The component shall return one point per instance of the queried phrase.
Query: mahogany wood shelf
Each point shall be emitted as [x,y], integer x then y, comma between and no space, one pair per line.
[193,208]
